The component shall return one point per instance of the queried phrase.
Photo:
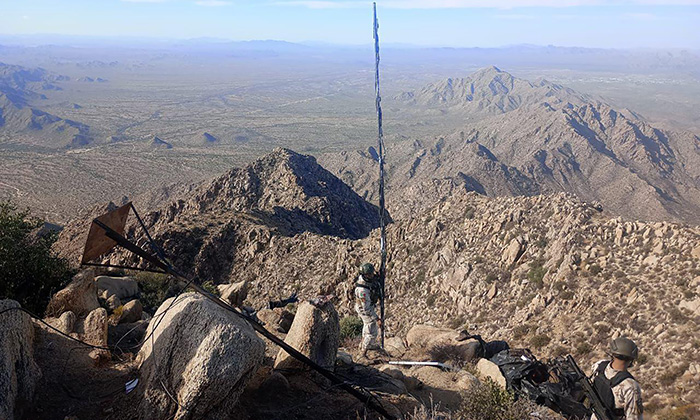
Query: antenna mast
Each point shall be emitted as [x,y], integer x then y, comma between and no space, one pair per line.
[381,151]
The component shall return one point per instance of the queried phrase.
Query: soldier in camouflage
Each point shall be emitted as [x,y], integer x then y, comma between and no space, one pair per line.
[366,298]
[617,388]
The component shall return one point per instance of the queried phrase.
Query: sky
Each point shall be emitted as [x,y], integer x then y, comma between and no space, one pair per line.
[453,23]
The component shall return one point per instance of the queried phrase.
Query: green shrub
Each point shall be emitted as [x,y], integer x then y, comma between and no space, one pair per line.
[536,274]
[350,327]
[489,401]
[469,213]
[155,288]
[519,331]
[583,348]
[30,272]
[491,277]
[595,269]
[430,301]
[670,375]
[210,287]
[540,340]
[566,295]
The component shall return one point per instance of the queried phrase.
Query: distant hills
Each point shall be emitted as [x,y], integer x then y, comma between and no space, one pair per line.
[529,138]
[19,87]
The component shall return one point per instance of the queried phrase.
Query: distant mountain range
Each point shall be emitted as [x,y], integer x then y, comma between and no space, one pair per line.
[528,138]
[19,87]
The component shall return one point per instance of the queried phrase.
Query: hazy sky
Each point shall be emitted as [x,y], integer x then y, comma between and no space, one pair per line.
[588,23]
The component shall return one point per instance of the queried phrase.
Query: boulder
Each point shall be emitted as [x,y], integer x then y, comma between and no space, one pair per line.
[488,369]
[18,371]
[395,346]
[695,253]
[65,323]
[442,386]
[202,354]
[235,293]
[493,291]
[691,305]
[93,330]
[121,287]
[131,312]
[278,319]
[466,381]
[515,250]
[315,332]
[275,386]
[426,335]
[79,297]
[344,358]
[429,338]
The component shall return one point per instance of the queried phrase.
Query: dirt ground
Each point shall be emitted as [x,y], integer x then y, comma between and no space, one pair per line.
[73,387]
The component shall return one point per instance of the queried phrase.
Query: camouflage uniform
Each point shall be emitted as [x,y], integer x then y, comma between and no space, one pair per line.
[365,308]
[628,394]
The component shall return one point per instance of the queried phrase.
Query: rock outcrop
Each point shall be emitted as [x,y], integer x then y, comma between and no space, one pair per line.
[18,371]
[93,330]
[121,287]
[235,294]
[131,312]
[315,333]
[79,297]
[201,354]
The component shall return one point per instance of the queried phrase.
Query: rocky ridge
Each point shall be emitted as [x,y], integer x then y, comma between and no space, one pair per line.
[523,138]
[548,272]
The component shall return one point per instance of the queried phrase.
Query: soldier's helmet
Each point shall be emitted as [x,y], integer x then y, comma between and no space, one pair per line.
[624,348]
[367,269]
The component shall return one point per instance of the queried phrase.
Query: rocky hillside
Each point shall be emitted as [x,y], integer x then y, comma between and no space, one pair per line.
[547,272]
[491,91]
[283,194]
[19,88]
[523,138]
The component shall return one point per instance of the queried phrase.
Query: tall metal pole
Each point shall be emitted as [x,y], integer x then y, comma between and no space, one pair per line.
[381,152]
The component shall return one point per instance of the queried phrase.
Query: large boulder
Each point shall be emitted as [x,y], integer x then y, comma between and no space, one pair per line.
[79,297]
[93,330]
[131,312]
[121,287]
[514,251]
[65,323]
[490,370]
[315,333]
[18,371]
[278,319]
[444,343]
[200,354]
[235,293]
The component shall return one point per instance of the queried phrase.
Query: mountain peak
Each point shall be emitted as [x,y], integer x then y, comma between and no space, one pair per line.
[490,71]
[489,91]
[292,192]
